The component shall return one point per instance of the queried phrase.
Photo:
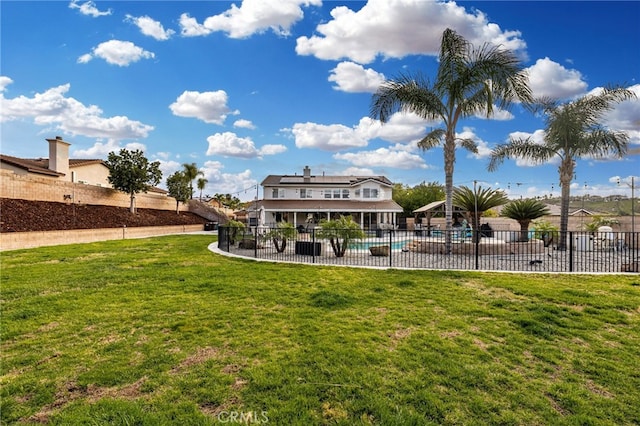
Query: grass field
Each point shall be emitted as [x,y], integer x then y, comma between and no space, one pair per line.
[162,331]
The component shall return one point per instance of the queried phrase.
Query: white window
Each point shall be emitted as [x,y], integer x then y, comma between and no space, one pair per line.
[345,193]
[277,193]
[306,193]
[357,193]
[370,193]
[327,193]
[336,193]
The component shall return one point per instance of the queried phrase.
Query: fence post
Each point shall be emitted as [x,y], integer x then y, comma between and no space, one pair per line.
[255,242]
[391,248]
[476,238]
[313,245]
[570,251]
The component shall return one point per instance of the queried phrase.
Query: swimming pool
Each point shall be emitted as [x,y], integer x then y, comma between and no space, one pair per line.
[364,245]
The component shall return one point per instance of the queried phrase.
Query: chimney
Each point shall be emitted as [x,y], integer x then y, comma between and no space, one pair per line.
[59,156]
[307,174]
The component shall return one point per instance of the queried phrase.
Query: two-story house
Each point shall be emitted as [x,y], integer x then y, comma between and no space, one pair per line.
[306,199]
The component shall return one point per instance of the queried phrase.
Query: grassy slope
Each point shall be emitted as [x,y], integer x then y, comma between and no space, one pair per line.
[161,330]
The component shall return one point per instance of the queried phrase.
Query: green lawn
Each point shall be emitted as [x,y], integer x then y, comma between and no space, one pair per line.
[162,331]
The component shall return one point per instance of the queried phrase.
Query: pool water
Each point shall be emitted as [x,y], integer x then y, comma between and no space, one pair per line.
[364,245]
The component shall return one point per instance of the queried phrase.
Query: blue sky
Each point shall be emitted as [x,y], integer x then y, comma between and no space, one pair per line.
[248,89]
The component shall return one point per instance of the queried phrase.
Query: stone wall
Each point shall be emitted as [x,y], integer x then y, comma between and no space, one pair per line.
[27,187]
[23,240]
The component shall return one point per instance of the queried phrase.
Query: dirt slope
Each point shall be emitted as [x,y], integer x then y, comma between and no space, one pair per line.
[24,216]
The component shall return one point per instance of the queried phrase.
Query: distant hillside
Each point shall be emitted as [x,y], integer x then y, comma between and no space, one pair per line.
[614,205]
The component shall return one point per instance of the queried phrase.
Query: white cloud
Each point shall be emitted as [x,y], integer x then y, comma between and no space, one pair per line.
[168,167]
[550,79]
[484,151]
[88,8]
[117,52]
[272,149]
[190,27]
[354,78]
[150,27]
[383,157]
[102,150]
[71,116]
[363,35]
[357,171]
[244,124]
[333,137]
[253,16]
[210,107]
[4,82]
[498,114]
[241,185]
[400,128]
[231,145]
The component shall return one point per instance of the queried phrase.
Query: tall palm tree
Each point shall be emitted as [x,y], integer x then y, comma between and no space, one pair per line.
[524,211]
[202,182]
[572,130]
[476,201]
[469,81]
[191,172]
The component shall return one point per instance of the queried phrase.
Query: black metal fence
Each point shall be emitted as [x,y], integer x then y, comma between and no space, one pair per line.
[495,250]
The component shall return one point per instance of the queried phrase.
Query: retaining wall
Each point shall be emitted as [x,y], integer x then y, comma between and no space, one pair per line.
[26,187]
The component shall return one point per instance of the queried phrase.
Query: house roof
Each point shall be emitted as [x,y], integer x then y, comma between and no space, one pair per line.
[33,166]
[41,165]
[310,205]
[272,180]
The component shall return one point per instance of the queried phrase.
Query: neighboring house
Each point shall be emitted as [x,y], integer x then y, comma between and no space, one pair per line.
[304,200]
[59,166]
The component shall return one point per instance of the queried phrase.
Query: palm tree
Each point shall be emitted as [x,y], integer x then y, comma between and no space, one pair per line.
[572,130]
[477,201]
[340,232]
[469,81]
[202,182]
[524,211]
[191,172]
[285,231]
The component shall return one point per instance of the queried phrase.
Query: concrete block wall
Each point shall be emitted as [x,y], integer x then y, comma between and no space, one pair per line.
[27,187]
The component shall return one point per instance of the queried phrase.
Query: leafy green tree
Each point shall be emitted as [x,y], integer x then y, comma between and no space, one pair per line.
[227,200]
[202,182]
[340,232]
[469,81]
[285,231]
[524,211]
[131,172]
[178,186]
[572,130]
[191,172]
[477,201]
[413,198]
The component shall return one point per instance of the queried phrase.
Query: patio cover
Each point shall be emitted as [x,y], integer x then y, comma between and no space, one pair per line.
[431,207]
